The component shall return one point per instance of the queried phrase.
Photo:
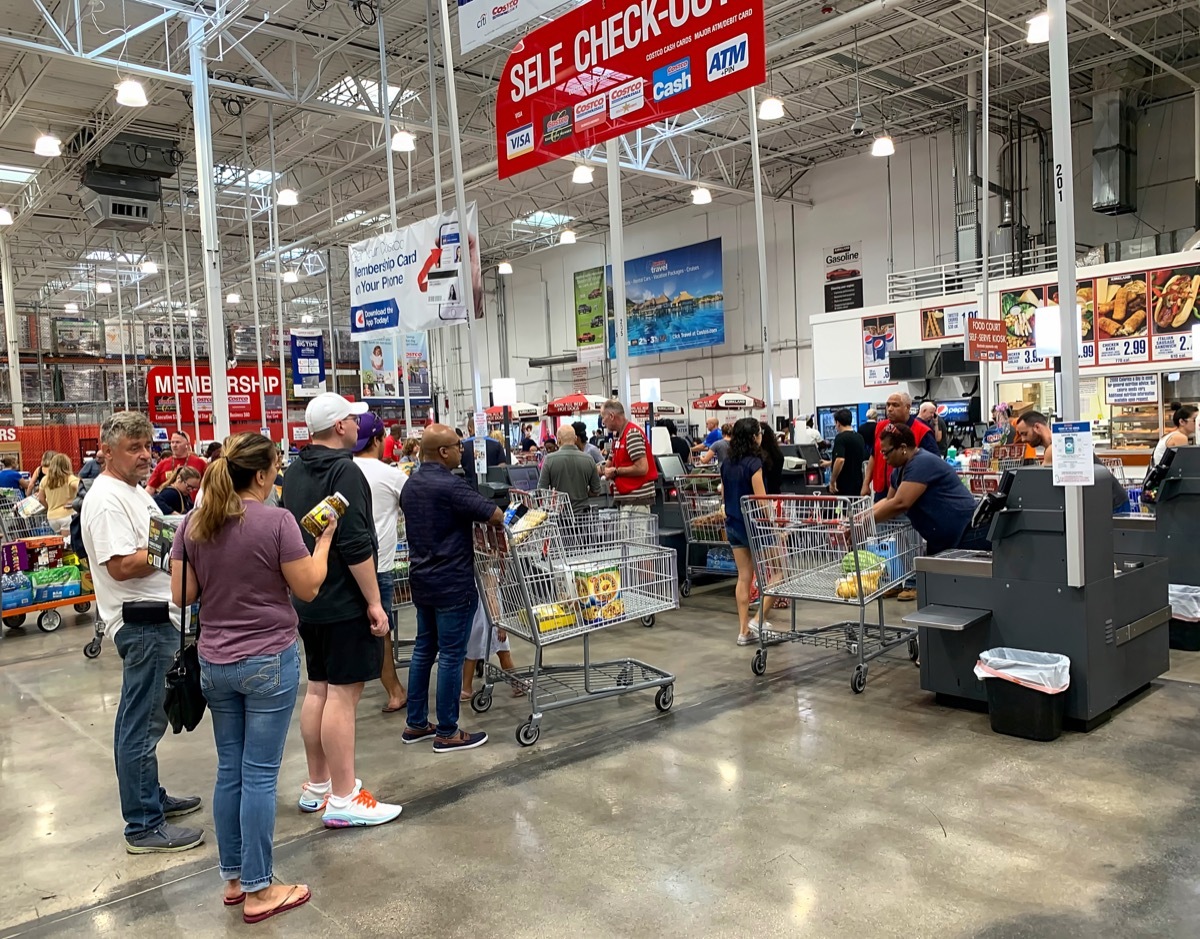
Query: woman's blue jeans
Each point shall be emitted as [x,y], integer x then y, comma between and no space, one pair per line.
[251,702]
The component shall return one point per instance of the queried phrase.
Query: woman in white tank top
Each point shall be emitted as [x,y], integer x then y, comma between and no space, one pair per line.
[1184,433]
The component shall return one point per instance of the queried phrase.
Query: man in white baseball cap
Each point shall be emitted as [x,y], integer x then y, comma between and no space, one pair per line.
[343,628]
[326,410]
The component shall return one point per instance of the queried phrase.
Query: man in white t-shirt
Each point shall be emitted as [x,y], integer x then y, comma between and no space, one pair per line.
[135,603]
[385,482]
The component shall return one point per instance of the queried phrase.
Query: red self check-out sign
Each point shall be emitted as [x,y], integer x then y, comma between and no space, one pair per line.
[611,66]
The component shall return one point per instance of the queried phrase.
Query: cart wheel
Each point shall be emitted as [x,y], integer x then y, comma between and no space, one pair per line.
[623,677]
[914,651]
[528,733]
[481,701]
[49,621]
[648,621]
[15,622]
[685,589]
[665,698]
[858,681]
[92,649]
[82,607]
[759,665]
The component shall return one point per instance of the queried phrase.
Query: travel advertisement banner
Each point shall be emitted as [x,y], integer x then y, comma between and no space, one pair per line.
[674,300]
[612,66]
[416,355]
[590,307]
[170,393]
[410,279]
[308,363]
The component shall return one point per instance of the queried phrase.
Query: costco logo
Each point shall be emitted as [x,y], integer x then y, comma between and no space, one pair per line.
[557,126]
[509,7]
[628,98]
[590,112]
[673,79]
[731,56]
[519,141]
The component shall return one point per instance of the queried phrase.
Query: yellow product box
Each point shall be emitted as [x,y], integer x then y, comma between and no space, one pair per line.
[550,616]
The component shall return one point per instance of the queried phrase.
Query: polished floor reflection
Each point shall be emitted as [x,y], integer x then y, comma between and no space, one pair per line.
[781,806]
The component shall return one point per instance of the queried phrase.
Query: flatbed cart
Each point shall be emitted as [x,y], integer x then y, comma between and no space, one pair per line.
[703,509]
[831,549]
[15,527]
[566,578]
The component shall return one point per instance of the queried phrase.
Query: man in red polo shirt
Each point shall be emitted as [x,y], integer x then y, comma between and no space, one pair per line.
[631,467]
[181,455]
[899,411]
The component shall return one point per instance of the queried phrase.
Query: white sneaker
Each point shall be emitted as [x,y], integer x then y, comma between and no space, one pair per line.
[362,811]
[754,626]
[312,800]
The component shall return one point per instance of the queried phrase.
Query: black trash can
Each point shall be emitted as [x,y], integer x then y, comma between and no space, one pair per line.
[1023,712]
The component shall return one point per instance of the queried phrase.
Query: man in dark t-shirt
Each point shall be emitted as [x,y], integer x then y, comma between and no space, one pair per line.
[849,454]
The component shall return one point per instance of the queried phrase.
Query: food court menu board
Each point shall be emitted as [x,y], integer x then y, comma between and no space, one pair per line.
[1124,319]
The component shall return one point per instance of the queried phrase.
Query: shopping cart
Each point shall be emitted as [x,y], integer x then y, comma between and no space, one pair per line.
[16,527]
[830,549]
[984,471]
[564,578]
[401,600]
[703,510]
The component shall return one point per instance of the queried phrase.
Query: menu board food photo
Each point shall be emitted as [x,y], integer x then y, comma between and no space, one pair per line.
[1019,312]
[1122,319]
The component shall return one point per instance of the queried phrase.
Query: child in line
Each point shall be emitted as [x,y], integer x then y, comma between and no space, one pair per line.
[477,649]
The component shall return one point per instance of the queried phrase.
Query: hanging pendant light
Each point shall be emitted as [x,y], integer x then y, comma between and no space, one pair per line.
[771,109]
[291,277]
[582,175]
[701,196]
[288,197]
[5,217]
[404,142]
[883,146]
[149,266]
[504,268]
[1039,29]
[567,237]
[103,287]
[131,94]
[47,145]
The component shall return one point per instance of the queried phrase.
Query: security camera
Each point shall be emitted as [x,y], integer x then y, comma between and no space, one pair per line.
[858,128]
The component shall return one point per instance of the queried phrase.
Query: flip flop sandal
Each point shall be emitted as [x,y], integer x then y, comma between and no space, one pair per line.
[386,709]
[465,696]
[282,908]
[235,901]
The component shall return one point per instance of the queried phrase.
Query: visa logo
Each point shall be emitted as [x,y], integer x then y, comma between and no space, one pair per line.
[672,79]
[519,141]
[728,57]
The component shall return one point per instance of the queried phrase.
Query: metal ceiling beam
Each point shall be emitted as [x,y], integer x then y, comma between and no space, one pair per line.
[1113,33]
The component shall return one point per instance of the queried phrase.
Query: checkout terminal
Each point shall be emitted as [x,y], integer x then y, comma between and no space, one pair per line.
[1113,628]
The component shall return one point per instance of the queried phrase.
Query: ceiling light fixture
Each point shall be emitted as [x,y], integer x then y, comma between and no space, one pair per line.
[504,268]
[192,313]
[233,298]
[149,266]
[5,217]
[72,308]
[567,237]
[883,146]
[771,109]
[103,286]
[404,142]
[1039,29]
[131,94]
[306,318]
[701,196]
[47,145]
[291,277]
[582,176]
[288,197]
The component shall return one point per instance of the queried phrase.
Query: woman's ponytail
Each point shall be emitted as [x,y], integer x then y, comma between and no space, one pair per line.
[220,504]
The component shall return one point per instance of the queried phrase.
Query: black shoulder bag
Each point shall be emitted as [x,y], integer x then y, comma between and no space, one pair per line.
[184,702]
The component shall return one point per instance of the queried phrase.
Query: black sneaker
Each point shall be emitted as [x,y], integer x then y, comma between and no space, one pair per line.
[165,839]
[417,734]
[176,807]
[460,741]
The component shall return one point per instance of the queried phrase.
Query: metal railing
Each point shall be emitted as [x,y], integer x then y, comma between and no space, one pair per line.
[962,276]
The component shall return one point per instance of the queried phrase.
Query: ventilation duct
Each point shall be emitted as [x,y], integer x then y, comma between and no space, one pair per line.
[122,185]
[1114,144]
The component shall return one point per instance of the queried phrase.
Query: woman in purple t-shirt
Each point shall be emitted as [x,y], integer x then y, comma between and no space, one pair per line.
[241,559]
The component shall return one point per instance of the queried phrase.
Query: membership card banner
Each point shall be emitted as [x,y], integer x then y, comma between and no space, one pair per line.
[612,66]
[411,279]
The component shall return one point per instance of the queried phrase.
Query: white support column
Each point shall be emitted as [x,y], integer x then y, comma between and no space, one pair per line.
[460,203]
[209,236]
[189,310]
[12,344]
[284,377]
[764,310]
[258,352]
[385,108]
[436,142]
[166,269]
[1064,219]
[616,251]
[985,173]
[116,253]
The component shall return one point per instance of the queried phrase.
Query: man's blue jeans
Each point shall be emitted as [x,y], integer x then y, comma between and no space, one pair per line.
[442,633]
[251,702]
[146,653]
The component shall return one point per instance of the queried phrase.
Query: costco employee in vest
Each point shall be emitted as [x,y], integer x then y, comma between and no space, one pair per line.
[631,467]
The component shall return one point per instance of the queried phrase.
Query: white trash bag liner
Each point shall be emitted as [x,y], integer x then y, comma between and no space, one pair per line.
[1041,671]
[1185,601]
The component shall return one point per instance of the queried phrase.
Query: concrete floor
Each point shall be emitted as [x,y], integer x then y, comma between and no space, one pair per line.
[781,806]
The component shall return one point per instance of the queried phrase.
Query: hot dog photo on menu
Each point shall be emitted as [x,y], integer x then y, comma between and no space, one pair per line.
[1173,299]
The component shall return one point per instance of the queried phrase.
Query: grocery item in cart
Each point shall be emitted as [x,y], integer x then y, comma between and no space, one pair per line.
[320,515]
[847,584]
[15,557]
[867,561]
[549,617]
[30,506]
[599,590]
[527,522]
[59,583]
[17,590]
[44,552]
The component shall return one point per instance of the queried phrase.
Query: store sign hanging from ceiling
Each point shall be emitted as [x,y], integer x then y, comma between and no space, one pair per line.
[612,66]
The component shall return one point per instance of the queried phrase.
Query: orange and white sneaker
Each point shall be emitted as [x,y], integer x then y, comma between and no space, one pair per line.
[360,810]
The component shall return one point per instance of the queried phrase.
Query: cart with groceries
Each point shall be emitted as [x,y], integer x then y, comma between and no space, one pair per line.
[831,549]
[703,509]
[41,574]
[548,576]
[986,468]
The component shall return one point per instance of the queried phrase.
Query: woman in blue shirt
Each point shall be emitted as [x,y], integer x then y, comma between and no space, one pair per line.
[928,490]
[742,475]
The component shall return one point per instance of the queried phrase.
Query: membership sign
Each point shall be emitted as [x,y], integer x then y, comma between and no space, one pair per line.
[612,66]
